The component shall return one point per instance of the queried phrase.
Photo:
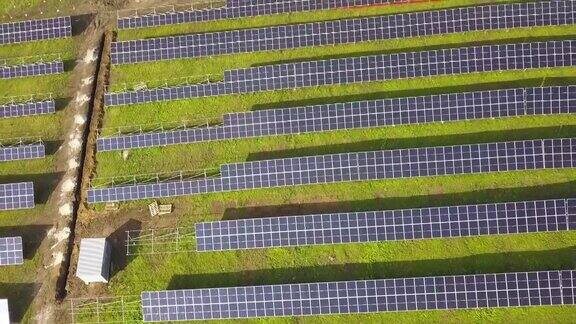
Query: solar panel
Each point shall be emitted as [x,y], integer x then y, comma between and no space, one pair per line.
[345,31]
[34,30]
[12,110]
[389,225]
[16,196]
[362,114]
[22,152]
[33,69]
[240,10]
[415,162]
[511,289]
[363,166]
[487,58]
[11,252]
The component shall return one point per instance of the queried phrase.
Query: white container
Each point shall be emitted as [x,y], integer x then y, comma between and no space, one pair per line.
[4,313]
[94,260]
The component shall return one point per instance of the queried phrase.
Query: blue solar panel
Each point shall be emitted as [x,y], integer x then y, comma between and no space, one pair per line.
[389,164]
[16,196]
[34,30]
[239,10]
[389,225]
[22,152]
[363,296]
[11,251]
[12,110]
[366,69]
[32,69]
[362,114]
[344,31]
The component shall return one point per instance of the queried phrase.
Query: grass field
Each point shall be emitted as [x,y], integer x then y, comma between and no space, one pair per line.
[375,260]
[351,261]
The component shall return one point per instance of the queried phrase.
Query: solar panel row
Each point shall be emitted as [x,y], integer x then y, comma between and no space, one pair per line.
[33,30]
[355,30]
[389,164]
[414,64]
[390,225]
[366,69]
[362,114]
[27,109]
[363,296]
[506,156]
[32,69]
[22,152]
[11,252]
[16,195]
[239,10]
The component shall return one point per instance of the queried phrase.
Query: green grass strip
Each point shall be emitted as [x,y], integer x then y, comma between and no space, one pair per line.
[16,10]
[33,51]
[46,127]
[37,86]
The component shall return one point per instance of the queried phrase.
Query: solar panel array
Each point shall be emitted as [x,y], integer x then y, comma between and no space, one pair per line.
[11,252]
[363,296]
[16,196]
[366,69]
[12,110]
[391,225]
[33,30]
[240,10]
[362,114]
[389,164]
[345,31]
[32,69]
[22,152]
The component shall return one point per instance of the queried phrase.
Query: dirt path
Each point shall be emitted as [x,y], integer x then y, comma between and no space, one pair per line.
[75,160]
[63,202]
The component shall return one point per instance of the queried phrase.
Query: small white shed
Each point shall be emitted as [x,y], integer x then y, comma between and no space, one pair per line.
[94,260]
[4,313]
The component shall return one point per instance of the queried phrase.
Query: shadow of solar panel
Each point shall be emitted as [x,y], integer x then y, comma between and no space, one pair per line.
[354,30]
[27,109]
[362,114]
[33,69]
[390,225]
[11,252]
[464,60]
[16,196]
[362,166]
[22,152]
[511,289]
[251,9]
[33,30]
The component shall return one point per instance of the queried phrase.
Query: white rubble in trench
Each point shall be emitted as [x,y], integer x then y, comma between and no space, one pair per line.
[71,179]
[60,236]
